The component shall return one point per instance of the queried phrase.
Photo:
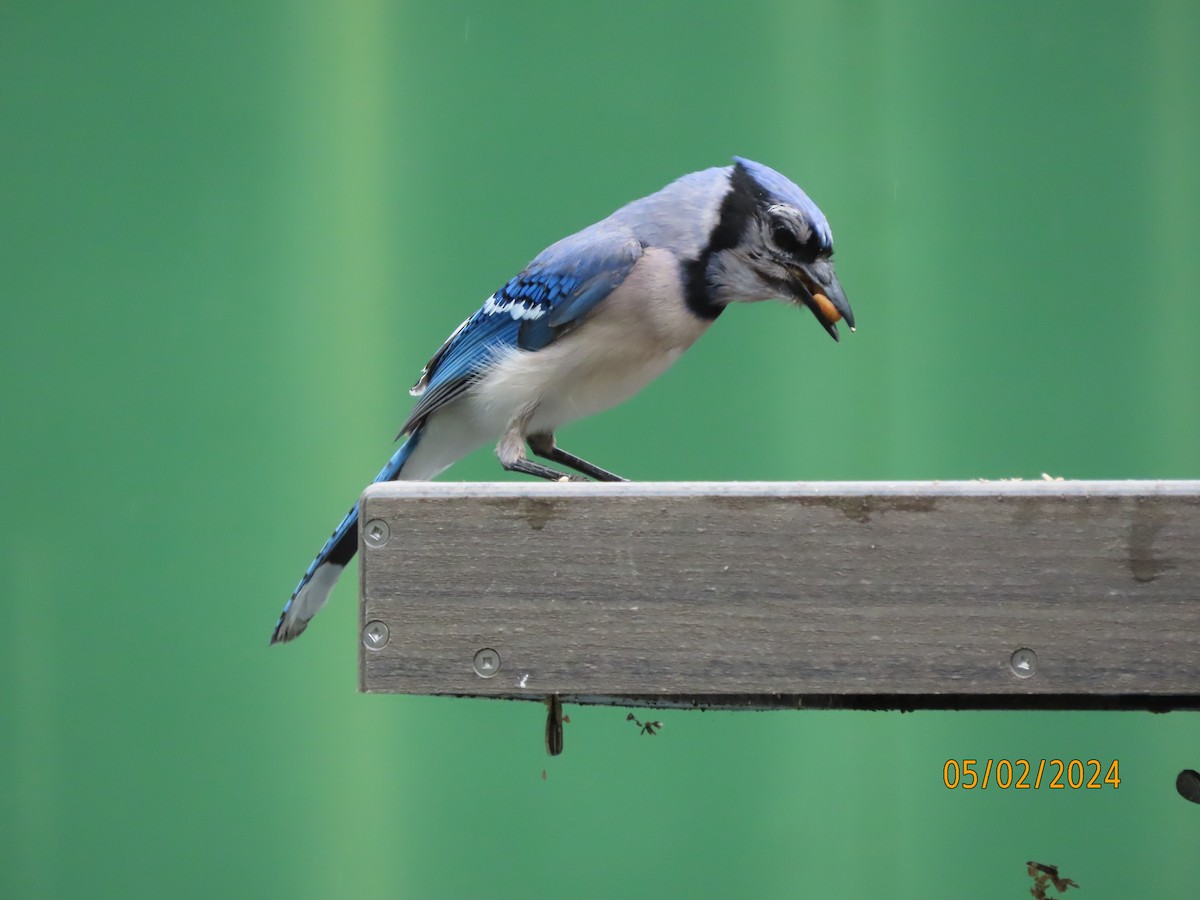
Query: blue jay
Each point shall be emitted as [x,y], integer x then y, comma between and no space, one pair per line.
[590,322]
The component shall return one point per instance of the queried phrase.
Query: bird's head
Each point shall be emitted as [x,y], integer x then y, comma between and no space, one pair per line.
[772,241]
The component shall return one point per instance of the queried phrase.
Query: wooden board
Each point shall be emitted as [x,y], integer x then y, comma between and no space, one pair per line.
[792,594]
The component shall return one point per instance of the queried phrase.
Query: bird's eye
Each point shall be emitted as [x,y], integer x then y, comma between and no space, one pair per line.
[784,238]
[801,246]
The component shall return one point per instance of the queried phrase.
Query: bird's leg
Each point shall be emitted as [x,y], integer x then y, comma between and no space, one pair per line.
[529,467]
[543,445]
[511,451]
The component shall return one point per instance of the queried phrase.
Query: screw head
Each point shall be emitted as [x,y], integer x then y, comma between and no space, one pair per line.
[376,533]
[486,662]
[1023,662]
[375,635]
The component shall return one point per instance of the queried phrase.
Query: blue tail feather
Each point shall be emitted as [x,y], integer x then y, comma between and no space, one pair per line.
[313,590]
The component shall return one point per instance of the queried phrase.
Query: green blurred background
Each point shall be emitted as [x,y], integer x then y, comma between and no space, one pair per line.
[232,233]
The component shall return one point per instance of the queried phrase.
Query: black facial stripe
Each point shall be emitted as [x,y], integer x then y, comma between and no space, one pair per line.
[743,202]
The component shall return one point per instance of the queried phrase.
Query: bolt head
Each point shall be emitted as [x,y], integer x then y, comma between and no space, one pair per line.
[1023,662]
[486,663]
[376,533]
[375,635]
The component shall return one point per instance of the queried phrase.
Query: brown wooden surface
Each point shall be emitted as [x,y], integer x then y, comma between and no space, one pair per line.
[789,594]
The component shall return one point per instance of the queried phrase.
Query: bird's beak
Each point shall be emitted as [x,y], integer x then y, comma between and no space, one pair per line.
[817,287]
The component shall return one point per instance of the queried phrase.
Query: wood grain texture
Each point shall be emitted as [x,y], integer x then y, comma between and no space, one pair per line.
[789,594]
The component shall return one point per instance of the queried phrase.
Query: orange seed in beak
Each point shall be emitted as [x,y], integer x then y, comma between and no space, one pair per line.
[828,310]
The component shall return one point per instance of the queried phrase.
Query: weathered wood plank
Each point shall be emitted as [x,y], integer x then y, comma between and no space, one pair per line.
[752,594]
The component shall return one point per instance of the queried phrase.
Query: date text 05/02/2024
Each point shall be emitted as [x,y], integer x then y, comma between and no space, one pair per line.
[1024,774]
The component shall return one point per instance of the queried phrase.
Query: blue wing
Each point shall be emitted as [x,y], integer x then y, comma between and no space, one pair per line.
[557,290]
